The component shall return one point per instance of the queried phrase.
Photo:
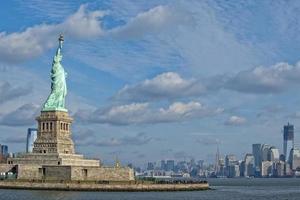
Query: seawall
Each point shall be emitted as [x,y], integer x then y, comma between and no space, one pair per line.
[79,186]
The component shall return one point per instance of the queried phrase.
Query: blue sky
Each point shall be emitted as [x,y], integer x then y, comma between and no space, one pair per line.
[151,80]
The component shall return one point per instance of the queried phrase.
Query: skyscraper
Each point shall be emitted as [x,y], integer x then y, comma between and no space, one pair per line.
[230,160]
[163,165]
[256,151]
[288,140]
[150,166]
[231,166]
[266,168]
[4,150]
[31,136]
[273,154]
[217,162]
[294,159]
[201,164]
[249,165]
[265,148]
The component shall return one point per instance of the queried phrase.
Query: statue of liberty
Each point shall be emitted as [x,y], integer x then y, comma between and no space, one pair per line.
[56,99]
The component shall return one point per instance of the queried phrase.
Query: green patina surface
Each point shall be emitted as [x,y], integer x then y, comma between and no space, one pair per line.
[56,99]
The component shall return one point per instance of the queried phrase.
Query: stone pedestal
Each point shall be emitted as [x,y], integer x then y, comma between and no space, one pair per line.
[54,145]
[54,133]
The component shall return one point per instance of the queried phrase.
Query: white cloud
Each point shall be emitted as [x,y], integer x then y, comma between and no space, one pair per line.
[155,20]
[84,24]
[142,113]
[20,46]
[170,45]
[235,121]
[124,114]
[263,80]
[179,111]
[170,85]
[167,85]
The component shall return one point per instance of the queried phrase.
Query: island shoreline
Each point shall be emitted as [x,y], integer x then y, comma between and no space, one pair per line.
[138,187]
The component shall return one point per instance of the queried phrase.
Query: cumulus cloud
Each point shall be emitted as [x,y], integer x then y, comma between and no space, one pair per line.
[170,85]
[9,92]
[20,46]
[22,116]
[83,25]
[152,21]
[167,85]
[235,121]
[142,113]
[264,80]
[179,111]
[121,115]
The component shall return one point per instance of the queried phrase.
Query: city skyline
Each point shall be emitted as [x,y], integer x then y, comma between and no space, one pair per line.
[265,161]
[154,79]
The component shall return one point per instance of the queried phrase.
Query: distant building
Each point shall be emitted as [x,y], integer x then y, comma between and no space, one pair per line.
[221,171]
[265,148]
[31,137]
[266,168]
[256,151]
[201,164]
[278,168]
[249,165]
[150,166]
[273,154]
[242,168]
[192,163]
[4,150]
[182,166]
[294,159]
[170,165]
[287,169]
[163,165]
[230,160]
[233,171]
[230,163]
[288,140]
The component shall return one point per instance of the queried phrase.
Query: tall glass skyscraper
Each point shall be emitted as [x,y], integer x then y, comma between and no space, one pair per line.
[256,151]
[288,140]
[4,150]
[31,137]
